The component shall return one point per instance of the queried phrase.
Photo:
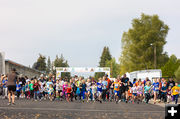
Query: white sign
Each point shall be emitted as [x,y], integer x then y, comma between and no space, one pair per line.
[59,70]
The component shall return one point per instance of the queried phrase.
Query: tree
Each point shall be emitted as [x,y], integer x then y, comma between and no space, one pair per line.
[40,64]
[61,62]
[114,67]
[48,68]
[106,56]
[168,70]
[142,43]
[177,74]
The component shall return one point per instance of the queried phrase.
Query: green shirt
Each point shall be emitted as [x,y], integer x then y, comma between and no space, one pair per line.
[31,86]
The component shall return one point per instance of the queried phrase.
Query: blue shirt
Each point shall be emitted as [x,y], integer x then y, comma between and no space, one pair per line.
[4,83]
[164,89]
[156,86]
[99,87]
[105,83]
[18,87]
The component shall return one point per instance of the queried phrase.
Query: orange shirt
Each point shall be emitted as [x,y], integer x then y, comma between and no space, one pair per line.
[69,90]
[129,93]
[108,80]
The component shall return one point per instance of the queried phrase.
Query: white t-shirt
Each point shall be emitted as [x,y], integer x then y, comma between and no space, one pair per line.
[134,89]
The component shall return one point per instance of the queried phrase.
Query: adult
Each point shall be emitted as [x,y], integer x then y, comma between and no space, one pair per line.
[170,83]
[125,81]
[12,77]
[108,85]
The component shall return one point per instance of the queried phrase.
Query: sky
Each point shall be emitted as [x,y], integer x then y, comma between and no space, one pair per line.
[79,29]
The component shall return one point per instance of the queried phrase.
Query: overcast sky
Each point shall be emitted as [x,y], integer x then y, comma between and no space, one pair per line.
[77,28]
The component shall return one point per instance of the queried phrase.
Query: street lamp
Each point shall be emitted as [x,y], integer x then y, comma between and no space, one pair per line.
[155,57]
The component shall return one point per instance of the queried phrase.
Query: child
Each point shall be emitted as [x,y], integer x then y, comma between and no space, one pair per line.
[18,89]
[164,92]
[140,92]
[147,90]
[168,94]
[57,90]
[31,89]
[88,89]
[116,90]
[99,90]
[36,87]
[69,90]
[83,89]
[130,95]
[155,89]
[94,90]
[27,90]
[175,92]
[51,92]
[65,85]
[134,91]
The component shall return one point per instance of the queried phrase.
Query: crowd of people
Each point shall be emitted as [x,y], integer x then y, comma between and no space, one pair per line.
[80,89]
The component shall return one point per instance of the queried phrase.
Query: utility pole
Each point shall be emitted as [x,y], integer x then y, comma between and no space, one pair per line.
[155,57]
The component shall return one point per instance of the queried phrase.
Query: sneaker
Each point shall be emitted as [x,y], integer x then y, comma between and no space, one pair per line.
[9,103]
[100,101]
[13,104]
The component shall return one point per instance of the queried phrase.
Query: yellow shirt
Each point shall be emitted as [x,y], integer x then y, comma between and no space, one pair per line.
[175,90]
[116,86]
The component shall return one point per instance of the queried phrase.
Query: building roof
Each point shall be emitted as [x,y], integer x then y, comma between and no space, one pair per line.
[20,65]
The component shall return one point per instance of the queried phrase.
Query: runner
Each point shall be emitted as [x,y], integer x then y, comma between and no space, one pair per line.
[175,92]
[155,89]
[12,77]
[116,90]
[99,90]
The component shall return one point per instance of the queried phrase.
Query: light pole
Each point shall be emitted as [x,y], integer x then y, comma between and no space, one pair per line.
[155,56]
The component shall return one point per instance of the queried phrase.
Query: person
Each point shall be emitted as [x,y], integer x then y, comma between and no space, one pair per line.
[171,83]
[69,90]
[51,92]
[27,90]
[147,90]
[18,89]
[130,99]
[88,89]
[168,94]
[108,86]
[104,88]
[36,88]
[175,92]
[155,89]
[125,81]
[12,77]
[4,83]
[164,93]
[31,89]
[99,90]
[83,89]
[116,90]
[140,92]
[94,91]
[134,92]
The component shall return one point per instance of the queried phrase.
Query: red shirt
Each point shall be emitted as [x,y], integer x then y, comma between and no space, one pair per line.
[69,90]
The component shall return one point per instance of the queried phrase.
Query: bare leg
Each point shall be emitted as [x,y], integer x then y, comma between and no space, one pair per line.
[9,96]
[13,97]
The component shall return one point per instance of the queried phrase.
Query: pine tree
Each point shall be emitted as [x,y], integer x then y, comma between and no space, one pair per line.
[106,56]
[48,69]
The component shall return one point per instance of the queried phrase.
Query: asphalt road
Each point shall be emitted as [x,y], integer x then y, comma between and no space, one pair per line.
[77,110]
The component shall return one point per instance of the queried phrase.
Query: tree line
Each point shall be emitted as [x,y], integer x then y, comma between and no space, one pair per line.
[142,48]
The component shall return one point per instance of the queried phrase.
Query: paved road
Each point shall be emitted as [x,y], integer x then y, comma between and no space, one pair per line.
[75,110]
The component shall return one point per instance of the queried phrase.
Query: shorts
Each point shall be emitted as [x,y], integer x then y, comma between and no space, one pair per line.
[59,91]
[12,88]
[156,91]
[116,92]
[99,93]
[126,88]
[135,94]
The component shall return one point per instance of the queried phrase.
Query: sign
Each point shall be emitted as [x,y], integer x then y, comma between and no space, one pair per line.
[59,70]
